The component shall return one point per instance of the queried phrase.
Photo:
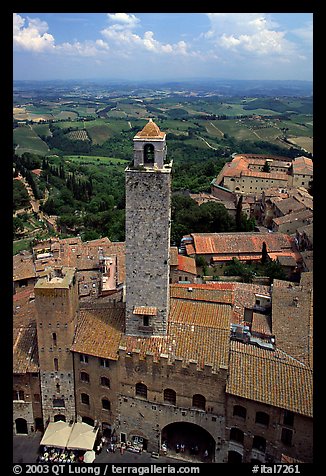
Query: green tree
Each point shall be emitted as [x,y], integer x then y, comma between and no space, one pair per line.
[18,226]
[266,167]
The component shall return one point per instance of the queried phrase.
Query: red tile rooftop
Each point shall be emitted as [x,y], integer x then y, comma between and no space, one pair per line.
[271,377]
[145,311]
[187,264]
[244,243]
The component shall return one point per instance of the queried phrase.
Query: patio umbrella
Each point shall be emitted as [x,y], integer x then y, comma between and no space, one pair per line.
[56,434]
[89,456]
[82,437]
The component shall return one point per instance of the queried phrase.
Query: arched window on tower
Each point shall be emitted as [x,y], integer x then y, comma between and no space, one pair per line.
[149,154]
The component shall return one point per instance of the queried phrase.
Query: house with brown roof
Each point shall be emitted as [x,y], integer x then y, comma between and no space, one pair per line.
[302,172]
[220,248]
[247,174]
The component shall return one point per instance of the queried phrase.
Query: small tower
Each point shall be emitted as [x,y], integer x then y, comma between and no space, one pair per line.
[56,301]
[148,203]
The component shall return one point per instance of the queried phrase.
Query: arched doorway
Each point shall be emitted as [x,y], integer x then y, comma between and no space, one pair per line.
[198,442]
[21,426]
[59,417]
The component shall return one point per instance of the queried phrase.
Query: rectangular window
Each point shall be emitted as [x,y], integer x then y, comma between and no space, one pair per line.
[104,363]
[286,436]
[83,358]
[58,402]
[145,320]
[18,395]
[288,418]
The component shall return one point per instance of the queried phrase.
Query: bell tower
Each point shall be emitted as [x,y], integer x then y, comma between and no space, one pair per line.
[148,204]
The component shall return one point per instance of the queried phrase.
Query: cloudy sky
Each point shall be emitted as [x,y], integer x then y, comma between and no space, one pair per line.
[162,46]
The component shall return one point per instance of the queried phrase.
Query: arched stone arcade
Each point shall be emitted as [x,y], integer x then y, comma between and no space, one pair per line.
[199,443]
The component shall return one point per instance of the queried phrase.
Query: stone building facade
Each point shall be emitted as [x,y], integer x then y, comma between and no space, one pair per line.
[161,366]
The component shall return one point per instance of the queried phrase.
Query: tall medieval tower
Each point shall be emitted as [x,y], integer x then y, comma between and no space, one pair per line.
[148,205]
[56,300]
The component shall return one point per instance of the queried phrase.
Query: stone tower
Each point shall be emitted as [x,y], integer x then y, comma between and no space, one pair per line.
[56,300]
[148,200]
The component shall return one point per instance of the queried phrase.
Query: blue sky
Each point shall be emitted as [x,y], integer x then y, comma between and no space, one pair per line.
[162,46]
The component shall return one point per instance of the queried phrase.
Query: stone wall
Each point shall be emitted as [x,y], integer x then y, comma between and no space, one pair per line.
[302,432]
[148,200]
[57,306]
[149,416]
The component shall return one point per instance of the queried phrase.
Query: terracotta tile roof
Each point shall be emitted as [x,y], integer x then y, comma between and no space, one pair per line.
[264,157]
[270,377]
[303,166]
[145,310]
[190,249]
[24,308]
[82,255]
[187,264]
[195,332]
[240,243]
[240,166]
[292,319]
[290,204]
[302,214]
[99,332]
[202,293]
[23,267]
[261,324]
[265,175]
[25,357]
[150,131]
[245,297]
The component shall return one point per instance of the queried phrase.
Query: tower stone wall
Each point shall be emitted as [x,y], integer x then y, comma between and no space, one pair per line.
[56,300]
[148,204]
[148,200]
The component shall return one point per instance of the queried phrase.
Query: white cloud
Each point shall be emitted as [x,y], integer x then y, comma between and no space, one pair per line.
[247,32]
[123,20]
[33,37]
[127,42]
[85,48]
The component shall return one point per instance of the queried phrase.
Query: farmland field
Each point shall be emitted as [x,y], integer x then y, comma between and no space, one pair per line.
[305,142]
[78,135]
[28,141]
[91,159]
[201,122]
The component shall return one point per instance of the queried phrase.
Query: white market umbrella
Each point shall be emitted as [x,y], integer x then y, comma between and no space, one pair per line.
[82,437]
[56,434]
[89,456]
